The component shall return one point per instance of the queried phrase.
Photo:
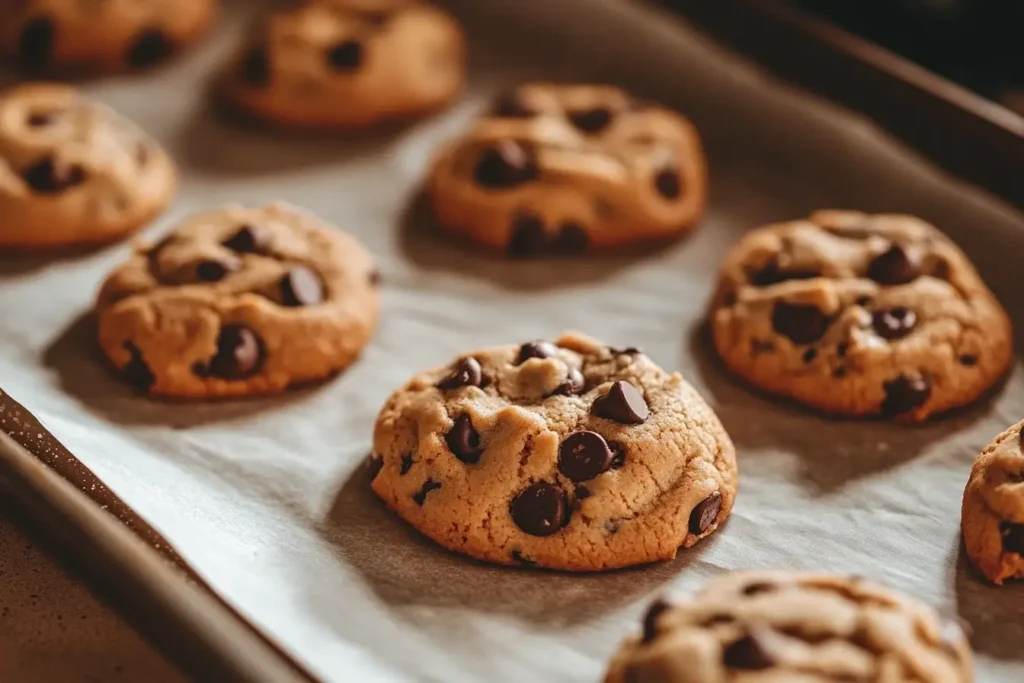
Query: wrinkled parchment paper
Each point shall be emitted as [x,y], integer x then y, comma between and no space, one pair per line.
[267,498]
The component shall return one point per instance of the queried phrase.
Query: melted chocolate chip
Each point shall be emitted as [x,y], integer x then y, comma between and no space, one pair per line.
[904,393]
[536,349]
[249,239]
[35,43]
[421,496]
[894,323]
[136,372]
[751,652]
[772,274]
[374,464]
[51,175]
[540,509]
[584,456]
[893,267]
[464,441]
[406,464]
[212,271]
[466,373]
[254,68]
[657,608]
[623,403]
[151,47]
[510,106]
[39,119]
[1013,537]
[581,492]
[301,286]
[705,513]
[669,183]
[572,239]
[968,360]
[573,385]
[801,323]
[591,121]
[528,237]
[810,355]
[239,353]
[505,164]
[345,56]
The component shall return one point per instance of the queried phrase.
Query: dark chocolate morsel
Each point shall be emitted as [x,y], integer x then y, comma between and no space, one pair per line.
[669,183]
[51,175]
[1013,537]
[893,267]
[466,373]
[35,43]
[301,286]
[212,270]
[572,239]
[406,464]
[346,55]
[239,355]
[151,47]
[801,323]
[623,403]
[528,236]
[249,239]
[705,513]
[750,652]
[657,608]
[540,509]
[573,385]
[535,349]
[464,441]
[772,274]
[421,496]
[591,121]
[505,164]
[254,68]
[894,323]
[904,393]
[584,456]
[136,372]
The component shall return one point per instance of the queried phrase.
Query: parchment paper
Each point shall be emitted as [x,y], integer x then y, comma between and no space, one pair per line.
[267,498]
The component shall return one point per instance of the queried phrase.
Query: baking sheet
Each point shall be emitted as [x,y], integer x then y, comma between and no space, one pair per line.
[267,499]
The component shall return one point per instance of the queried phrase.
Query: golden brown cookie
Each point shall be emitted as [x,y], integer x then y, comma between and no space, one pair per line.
[571,455]
[856,314]
[992,515]
[74,172]
[562,168]
[239,302]
[100,34]
[349,63]
[781,627]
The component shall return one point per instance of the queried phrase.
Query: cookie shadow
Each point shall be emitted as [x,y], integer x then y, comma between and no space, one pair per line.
[425,243]
[21,261]
[416,572]
[991,612]
[87,376]
[832,451]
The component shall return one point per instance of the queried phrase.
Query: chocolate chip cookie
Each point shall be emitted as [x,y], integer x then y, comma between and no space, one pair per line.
[793,628]
[239,302]
[992,516]
[558,169]
[860,315]
[74,172]
[100,34]
[349,63]
[567,455]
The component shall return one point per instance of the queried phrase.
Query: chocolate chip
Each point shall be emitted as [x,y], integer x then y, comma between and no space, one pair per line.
[51,175]
[254,68]
[428,486]
[618,454]
[464,441]
[239,355]
[893,267]
[519,558]
[136,372]
[624,351]
[346,55]
[842,347]
[750,652]
[406,464]
[535,349]
[572,239]
[466,373]
[151,47]
[301,286]
[623,403]
[810,355]
[894,323]
[212,271]
[35,44]
[772,274]
[863,301]
[705,513]
[249,239]
[528,237]
[584,456]
[904,393]
[38,119]
[510,106]
[505,164]
[759,587]
[968,360]
[1013,537]
[591,121]
[581,492]
[657,608]
[801,323]
[374,464]
[668,183]
[540,509]
[573,385]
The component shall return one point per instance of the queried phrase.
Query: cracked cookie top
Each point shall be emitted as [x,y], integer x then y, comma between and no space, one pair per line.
[992,516]
[857,314]
[567,455]
[239,301]
[775,627]
[562,168]
[73,171]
